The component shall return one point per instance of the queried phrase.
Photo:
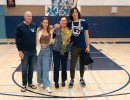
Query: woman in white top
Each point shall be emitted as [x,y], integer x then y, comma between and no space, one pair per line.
[43,54]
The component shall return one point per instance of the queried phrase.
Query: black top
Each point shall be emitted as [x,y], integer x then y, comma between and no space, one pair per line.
[25,37]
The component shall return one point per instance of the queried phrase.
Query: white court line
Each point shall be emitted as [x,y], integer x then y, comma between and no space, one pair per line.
[79,82]
[96,52]
[64,91]
[10,58]
[7,85]
[68,88]
[5,51]
[106,83]
[122,50]
[92,57]
[106,90]
[111,57]
[13,93]
[96,82]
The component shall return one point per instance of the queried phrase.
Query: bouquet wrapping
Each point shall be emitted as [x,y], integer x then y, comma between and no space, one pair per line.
[65,35]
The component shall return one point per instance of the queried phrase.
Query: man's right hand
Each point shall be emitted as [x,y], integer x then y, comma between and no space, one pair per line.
[56,26]
[21,55]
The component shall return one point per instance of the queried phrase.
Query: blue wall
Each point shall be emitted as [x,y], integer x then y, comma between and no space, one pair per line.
[99,27]
[2,23]
[109,26]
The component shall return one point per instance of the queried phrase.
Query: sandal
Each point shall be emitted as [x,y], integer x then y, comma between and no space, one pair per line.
[32,86]
[23,89]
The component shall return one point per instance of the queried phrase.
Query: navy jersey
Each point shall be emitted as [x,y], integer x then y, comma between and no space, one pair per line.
[78,28]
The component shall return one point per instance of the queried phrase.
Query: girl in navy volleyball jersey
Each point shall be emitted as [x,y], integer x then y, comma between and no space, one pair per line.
[80,41]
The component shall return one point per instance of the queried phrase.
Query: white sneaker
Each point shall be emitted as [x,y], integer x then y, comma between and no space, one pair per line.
[48,89]
[41,85]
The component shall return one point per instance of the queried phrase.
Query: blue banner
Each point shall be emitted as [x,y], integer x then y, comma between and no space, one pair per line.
[59,8]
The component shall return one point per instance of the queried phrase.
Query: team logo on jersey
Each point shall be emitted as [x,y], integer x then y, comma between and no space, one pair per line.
[59,7]
[76,32]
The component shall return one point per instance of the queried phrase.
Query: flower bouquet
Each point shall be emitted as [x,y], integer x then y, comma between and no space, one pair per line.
[65,35]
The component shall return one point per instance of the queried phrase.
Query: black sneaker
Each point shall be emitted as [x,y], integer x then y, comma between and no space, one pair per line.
[63,84]
[71,83]
[82,83]
[56,85]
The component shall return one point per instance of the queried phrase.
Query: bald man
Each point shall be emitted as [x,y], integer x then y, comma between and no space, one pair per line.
[26,44]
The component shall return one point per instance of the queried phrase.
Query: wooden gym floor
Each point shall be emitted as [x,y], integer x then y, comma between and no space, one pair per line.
[108,80]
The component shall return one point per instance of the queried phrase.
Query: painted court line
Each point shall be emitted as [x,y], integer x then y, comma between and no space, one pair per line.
[7,85]
[79,82]
[5,51]
[10,58]
[92,57]
[97,83]
[112,57]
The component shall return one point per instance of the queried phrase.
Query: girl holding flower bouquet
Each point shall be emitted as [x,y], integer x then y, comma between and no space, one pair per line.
[61,51]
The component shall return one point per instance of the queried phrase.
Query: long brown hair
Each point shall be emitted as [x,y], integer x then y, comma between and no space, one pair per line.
[41,27]
[72,11]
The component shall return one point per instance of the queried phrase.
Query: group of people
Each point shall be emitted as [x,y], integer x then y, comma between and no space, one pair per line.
[33,45]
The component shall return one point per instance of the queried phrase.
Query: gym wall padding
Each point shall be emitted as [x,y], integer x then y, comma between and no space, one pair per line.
[99,27]
[2,22]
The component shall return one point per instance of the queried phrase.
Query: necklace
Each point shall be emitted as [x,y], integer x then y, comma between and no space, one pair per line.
[76,30]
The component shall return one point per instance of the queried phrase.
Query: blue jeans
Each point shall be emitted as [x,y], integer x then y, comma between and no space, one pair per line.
[43,65]
[57,59]
[28,64]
